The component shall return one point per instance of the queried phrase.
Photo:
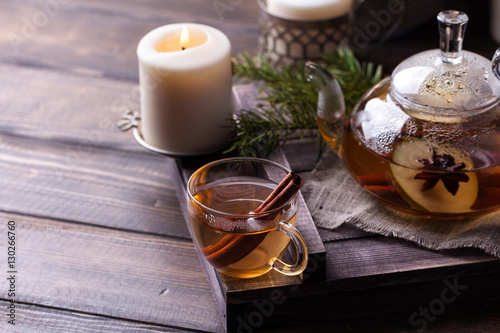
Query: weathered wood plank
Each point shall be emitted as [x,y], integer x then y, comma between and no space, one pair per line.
[27,147]
[98,271]
[211,274]
[32,318]
[224,288]
[367,276]
[100,38]
[66,107]
[84,171]
[279,309]
[89,185]
[456,318]
[343,232]
[357,262]
[376,261]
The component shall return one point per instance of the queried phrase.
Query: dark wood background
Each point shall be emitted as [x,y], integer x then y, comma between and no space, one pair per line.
[102,245]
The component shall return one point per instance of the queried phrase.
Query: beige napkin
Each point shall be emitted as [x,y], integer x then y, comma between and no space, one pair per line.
[334,198]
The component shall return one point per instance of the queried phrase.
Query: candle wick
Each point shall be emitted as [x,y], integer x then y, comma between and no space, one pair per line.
[183,48]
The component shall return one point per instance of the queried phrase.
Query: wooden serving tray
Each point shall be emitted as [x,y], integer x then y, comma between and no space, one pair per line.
[233,296]
[350,273]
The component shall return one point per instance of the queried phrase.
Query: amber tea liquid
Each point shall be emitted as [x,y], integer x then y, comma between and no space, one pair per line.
[238,247]
[388,169]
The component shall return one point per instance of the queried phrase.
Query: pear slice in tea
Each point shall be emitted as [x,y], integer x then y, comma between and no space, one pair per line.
[435,179]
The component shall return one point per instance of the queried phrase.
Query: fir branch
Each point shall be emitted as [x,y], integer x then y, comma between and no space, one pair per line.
[290,103]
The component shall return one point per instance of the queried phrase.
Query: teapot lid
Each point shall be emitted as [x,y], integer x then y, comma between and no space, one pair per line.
[446,82]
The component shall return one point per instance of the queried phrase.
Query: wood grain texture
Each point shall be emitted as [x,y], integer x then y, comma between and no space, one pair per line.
[350,305]
[368,276]
[118,274]
[378,261]
[100,38]
[85,184]
[66,107]
[102,242]
[31,318]
[456,318]
[226,290]
[343,232]
[361,267]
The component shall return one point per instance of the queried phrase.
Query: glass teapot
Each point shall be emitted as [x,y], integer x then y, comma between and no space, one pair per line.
[425,140]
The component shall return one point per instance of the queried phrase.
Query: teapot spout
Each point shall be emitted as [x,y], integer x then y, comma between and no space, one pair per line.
[331,105]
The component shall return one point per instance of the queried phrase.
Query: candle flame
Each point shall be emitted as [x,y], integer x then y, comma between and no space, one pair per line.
[184,40]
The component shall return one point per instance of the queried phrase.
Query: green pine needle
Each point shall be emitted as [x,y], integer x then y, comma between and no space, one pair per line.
[290,103]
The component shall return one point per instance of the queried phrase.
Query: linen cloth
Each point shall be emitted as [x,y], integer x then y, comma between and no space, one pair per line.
[334,198]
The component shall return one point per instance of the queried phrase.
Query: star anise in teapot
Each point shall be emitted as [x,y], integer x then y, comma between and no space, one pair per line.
[451,177]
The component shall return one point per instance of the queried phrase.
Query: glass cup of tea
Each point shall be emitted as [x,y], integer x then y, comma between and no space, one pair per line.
[242,214]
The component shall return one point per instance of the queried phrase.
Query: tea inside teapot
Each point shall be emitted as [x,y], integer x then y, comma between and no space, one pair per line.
[426,140]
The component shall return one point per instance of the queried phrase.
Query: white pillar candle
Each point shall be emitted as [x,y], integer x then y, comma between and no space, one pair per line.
[185,88]
[309,10]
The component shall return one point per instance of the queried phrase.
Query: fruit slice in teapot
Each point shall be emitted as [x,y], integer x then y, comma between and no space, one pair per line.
[432,126]
[435,179]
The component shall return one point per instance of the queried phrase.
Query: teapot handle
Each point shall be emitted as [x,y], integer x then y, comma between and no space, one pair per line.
[495,63]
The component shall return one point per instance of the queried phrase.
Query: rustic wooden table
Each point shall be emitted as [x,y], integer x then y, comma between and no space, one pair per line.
[101,244]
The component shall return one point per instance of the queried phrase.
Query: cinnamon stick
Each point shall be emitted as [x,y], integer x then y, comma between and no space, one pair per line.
[285,190]
[233,248]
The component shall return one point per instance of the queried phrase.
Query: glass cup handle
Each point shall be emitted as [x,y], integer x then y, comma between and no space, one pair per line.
[299,247]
